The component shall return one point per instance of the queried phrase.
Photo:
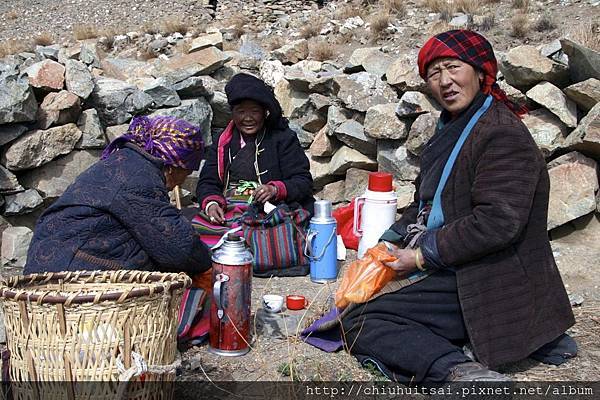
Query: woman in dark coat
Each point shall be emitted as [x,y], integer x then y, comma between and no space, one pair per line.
[117,214]
[257,154]
[475,237]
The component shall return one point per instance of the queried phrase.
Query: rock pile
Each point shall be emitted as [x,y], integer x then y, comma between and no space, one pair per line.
[60,106]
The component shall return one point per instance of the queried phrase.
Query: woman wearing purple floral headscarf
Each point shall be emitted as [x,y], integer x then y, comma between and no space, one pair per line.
[117,214]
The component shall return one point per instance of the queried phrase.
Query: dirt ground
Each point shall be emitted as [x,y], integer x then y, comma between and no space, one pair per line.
[577,251]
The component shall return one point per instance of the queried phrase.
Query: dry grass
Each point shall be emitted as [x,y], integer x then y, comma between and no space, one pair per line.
[150,28]
[237,23]
[467,6]
[172,24]
[521,4]
[489,21]
[587,35]
[11,15]
[14,46]
[321,50]
[395,7]
[44,39]
[379,23]
[349,10]
[519,25]
[311,28]
[545,23]
[85,31]
[439,27]
[145,54]
[439,6]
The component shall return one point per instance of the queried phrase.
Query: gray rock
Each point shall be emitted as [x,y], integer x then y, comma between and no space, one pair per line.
[335,117]
[333,192]
[355,62]
[573,183]
[69,53]
[22,202]
[295,104]
[48,52]
[323,145]
[58,108]
[362,90]
[78,79]
[8,182]
[46,75]
[413,104]
[126,69]
[319,169]
[547,130]
[513,94]
[196,86]
[460,21]
[584,63]
[352,133]
[10,132]
[550,49]
[211,39]
[89,54]
[586,93]
[221,110]
[195,111]
[271,72]
[54,178]
[113,132]
[381,122]
[524,66]
[299,80]
[396,160]
[38,147]
[117,101]
[346,158]
[421,130]
[405,192]
[163,95]
[586,137]
[555,101]
[252,49]
[17,102]
[356,182]
[371,60]
[158,45]
[324,84]
[403,74]
[320,103]
[305,137]
[15,242]
[92,132]
[202,62]
[292,52]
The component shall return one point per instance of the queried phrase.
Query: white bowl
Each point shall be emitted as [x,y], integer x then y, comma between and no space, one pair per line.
[272,303]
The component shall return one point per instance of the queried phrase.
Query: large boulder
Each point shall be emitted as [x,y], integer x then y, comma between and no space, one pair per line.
[113,132]
[221,110]
[586,138]
[371,60]
[78,79]
[15,243]
[547,130]
[381,122]
[17,101]
[39,147]
[10,132]
[207,40]
[125,69]
[319,169]
[294,103]
[195,111]
[584,63]
[356,182]
[91,129]
[271,72]
[202,62]
[117,101]
[586,93]
[89,53]
[403,74]
[53,179]
[352,133]
[58,108]
[162,93]
[292,52]
[362,90]
[323,145]
[8,182]
[421,130]
[335,117]
[413,104]
[524,66]
[46,75]
[22,202]
[334,192]
[196,86]
[573,184]
[346,158]
[304,137]
[555,101]
[396,160]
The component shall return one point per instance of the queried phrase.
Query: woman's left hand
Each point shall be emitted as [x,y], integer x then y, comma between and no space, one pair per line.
[264,193]
[405,262]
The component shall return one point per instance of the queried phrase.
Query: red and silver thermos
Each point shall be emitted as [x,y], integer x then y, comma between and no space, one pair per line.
[230,304]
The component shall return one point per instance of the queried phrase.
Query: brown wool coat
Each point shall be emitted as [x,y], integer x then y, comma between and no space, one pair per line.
[495,207]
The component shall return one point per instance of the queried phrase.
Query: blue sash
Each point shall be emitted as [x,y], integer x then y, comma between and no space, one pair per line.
[436,216]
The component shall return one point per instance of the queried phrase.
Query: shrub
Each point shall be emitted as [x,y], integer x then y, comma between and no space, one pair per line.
[545,23]
[521,4]
[43,39]
[379,23]
[14,46]
[519,25]
[395,7]
[587,35]
[467,6]
[321,50]
[85,31]
[174,24]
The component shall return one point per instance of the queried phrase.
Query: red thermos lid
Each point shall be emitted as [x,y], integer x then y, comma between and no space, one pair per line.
[380,182]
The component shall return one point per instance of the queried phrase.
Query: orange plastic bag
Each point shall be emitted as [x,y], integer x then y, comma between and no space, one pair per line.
[365,277]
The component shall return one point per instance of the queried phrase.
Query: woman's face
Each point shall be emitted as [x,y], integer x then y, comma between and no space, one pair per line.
[248,117]
[454,83]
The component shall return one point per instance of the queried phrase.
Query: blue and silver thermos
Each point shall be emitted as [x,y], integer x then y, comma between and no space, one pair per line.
[321,244]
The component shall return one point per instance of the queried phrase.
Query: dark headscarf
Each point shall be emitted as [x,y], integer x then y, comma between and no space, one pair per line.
[175,141]
[247,87]
[473,49]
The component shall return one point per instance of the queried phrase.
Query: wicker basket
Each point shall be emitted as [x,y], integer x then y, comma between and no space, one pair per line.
[78,326]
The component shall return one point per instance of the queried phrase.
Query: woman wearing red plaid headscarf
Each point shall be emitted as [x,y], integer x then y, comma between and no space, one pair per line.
[473,246]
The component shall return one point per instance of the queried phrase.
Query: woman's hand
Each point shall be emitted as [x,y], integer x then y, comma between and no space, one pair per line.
[405,263]
[264,193]
[216,214]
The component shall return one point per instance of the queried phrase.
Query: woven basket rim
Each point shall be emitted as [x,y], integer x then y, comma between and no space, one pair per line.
[162,281]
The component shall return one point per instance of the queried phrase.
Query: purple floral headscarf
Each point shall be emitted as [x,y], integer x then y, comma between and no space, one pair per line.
[173,140]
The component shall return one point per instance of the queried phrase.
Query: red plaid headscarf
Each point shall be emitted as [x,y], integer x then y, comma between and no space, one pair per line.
[473,49]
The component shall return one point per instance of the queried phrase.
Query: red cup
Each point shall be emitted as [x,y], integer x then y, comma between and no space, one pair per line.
[295,302]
